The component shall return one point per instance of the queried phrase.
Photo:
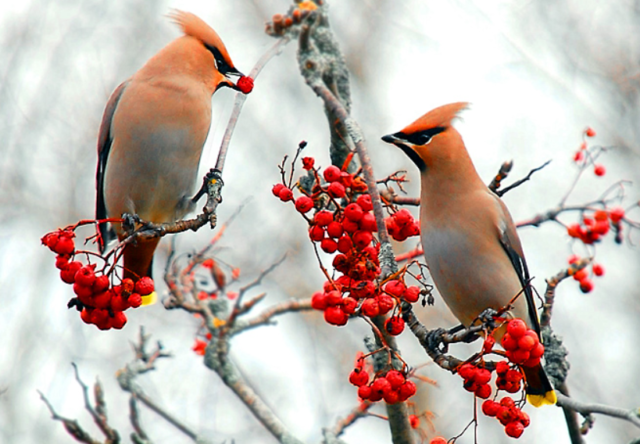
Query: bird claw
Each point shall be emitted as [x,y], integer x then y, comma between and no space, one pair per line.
[212,178]
[487,318]
[129,222]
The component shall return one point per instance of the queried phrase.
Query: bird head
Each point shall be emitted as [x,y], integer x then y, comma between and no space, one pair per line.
[195,27]
[428,136]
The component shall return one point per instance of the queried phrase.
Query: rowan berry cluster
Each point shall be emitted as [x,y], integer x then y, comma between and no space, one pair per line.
[582,275]
[393,386]
[522,344]
[585,156]
[596,225]
[344,224]
[99,301]
[509,414]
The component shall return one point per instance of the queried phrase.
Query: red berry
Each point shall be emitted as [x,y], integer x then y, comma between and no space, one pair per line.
[514,429]
[62,261]
[578,156]
[304,204]
[590,132]
[50,239]
[277,188]
[245,84]
[316,233]
[394,325]
[531,362]
[346,179]
[507,402]
[85,315]
[333,298]
[362,239]
[599,170]
[349,305]
[409,230]
[98,316]
[598,269]
[403,217]
[519,356]
[414,421]
[395,378]
[335,230]
[144,286]
[616,214]
[392,226]
[341,263]
[368,222]
[395,288]
[502,367]
[118,320]
[100,284]
[438,440]
[332,173]
[364,200]
[65,245]
[509,343]
[329,245]
[82,291]
[516,328]
[391,397]
[537,351]
[527,342]
[335,316]
[285,194]
[319,301]
[488,344]
[573,259]
[364,392]
[575,230]
[467,371]
[370,307]
[601,227]
[117,303]
[586,285]
[490,408]
[102,300]
[307,163]
[580,274]
[385,303]
[513,376]
[353,212]
[359,377]
[323,218]
[524,418]
[601,215]
[407,390]
[345,244]
[381,386]
[482,376]
[412,294]
[350,226]
[336,190]
[483,391]
[134,300]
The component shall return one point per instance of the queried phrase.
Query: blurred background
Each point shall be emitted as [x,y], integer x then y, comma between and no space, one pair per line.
[536,73]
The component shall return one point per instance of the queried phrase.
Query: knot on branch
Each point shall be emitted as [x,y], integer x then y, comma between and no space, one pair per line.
[555,355]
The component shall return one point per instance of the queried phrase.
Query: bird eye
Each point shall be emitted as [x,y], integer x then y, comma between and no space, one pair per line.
[423,139]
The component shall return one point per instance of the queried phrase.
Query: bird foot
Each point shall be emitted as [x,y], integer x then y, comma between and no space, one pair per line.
[212,177]
[487,318]
[129,222]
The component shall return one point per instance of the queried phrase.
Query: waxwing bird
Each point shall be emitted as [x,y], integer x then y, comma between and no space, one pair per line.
[152,134]
[469,239]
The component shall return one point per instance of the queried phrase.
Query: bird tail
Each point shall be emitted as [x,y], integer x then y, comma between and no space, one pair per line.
[539,389]
[138,263]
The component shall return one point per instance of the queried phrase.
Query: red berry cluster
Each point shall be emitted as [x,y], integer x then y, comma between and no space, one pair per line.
[509,414]
[509,378]
[99,302]
[401,225]
[393,387]
[476,380]
[582,275]
[522,344]
[592,229]
[344,224]
[584,157]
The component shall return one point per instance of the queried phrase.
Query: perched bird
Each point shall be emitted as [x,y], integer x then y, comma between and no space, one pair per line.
[152,134]
[469,240]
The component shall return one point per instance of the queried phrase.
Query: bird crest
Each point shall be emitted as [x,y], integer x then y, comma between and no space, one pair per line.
[440,117]
[195,27]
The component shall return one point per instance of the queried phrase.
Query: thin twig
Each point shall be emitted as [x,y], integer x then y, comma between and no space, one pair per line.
[632,416]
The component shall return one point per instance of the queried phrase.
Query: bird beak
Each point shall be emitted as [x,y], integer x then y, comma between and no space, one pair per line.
[233,72]
[390,138]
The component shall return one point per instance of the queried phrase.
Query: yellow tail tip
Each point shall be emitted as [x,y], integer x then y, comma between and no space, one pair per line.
[548,398]
[150,298]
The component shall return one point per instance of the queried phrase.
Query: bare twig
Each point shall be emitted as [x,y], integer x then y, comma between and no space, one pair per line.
[503,172]
[632,416]
[70,425]
[552,283]
[521,181]
[266,317]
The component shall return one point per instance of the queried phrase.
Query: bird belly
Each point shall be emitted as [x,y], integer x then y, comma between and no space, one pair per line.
[469,279]
[154,158]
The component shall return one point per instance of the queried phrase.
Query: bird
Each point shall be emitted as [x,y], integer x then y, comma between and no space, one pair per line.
[469,240]
[152,134]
